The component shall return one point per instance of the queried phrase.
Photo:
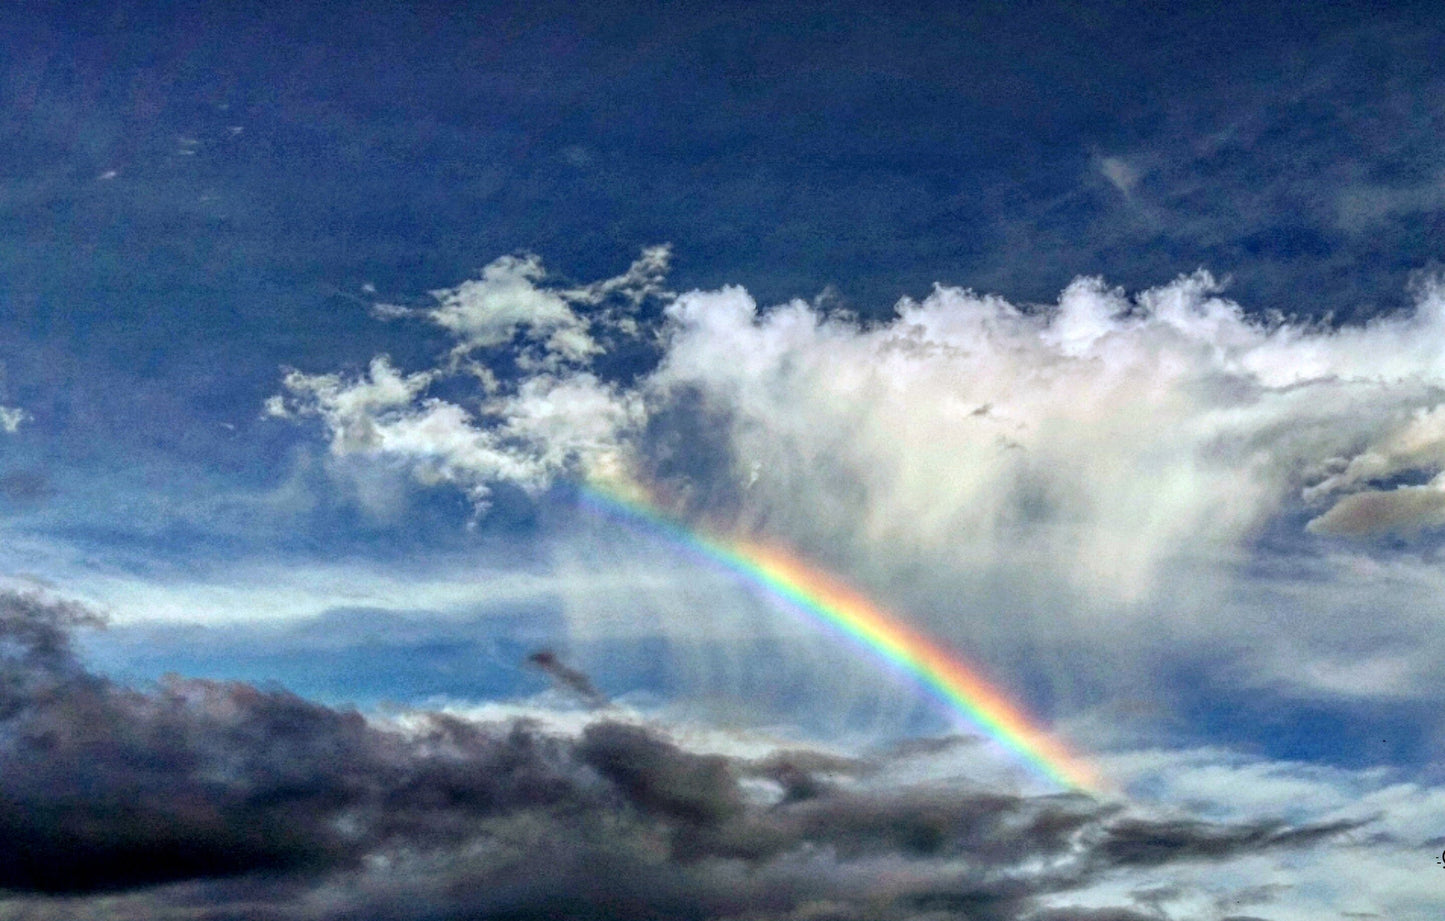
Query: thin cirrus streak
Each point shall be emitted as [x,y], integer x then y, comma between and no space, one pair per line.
[825,600]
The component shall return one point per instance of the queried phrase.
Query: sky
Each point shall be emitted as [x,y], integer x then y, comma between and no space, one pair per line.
[401,405]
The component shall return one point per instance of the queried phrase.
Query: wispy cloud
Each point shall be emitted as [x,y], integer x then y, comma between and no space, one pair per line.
[11,418]
[1119,172]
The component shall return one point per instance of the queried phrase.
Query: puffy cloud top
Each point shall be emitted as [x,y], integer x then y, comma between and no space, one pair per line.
[1108,434]
[1017,477]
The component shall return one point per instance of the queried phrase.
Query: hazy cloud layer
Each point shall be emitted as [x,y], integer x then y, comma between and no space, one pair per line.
[201,799]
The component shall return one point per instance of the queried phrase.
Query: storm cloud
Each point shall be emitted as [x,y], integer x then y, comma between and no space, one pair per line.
[205,799]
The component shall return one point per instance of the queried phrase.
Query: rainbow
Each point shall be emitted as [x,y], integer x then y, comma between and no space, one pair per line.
[826,600]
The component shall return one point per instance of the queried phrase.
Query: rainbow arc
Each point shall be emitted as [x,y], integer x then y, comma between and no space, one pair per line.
[830,602]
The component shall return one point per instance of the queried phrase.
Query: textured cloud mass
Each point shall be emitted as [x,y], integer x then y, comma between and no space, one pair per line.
[212,800]
[1131,430]
[1095,496]
[556,416]
[1162,466]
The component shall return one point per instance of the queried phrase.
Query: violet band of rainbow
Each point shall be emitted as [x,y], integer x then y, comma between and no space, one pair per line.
[826,600]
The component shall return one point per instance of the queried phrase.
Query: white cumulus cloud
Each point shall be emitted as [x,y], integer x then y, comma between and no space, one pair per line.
[1003,472]
[11,418]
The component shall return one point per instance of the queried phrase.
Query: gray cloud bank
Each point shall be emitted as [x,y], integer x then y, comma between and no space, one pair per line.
[207,800]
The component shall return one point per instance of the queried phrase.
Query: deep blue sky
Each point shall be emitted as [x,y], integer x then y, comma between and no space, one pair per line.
[271,158]
[1201,543]
[193,196]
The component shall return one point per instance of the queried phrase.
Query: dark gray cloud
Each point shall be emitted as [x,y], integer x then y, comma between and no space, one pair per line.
[1134,842]
[1095,914]
[570,678]
[203,799]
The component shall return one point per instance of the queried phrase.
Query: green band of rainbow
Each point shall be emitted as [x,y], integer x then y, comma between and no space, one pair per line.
[830,602]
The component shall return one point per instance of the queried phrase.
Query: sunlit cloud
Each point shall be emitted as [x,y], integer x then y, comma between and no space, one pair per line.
[1104,465]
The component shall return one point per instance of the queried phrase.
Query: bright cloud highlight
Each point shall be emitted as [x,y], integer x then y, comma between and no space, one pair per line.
[1106,434]
[1094,490]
